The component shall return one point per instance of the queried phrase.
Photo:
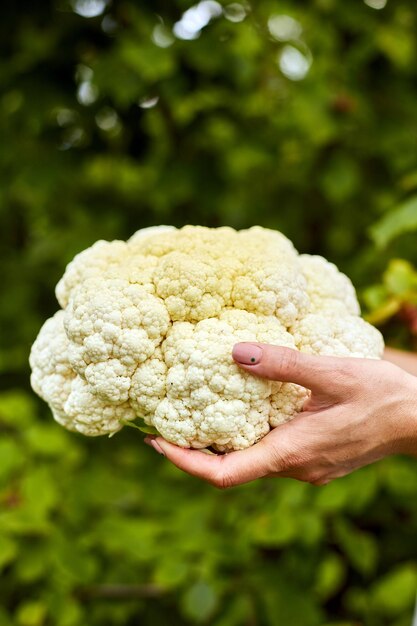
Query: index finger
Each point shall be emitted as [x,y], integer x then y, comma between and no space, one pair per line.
[321,374]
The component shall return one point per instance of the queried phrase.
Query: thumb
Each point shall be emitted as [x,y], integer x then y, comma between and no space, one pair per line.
[324,375]
[227,470]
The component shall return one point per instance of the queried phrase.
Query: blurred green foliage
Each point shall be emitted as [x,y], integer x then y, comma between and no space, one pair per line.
[118,115]
[102,532]
[394,300]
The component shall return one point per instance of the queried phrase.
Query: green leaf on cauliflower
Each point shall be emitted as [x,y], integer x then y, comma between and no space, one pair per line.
[149,430]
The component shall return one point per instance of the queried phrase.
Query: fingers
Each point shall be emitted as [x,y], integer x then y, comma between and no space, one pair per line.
[318,373]
[226,470]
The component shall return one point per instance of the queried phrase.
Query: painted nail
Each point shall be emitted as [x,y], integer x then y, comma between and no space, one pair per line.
[155,445]
[247,353]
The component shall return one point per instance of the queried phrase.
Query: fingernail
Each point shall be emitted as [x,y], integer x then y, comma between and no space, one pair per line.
[155,445]
[247,353]
[150,441]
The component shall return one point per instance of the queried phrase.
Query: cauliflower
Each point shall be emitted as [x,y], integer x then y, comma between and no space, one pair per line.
[147,328]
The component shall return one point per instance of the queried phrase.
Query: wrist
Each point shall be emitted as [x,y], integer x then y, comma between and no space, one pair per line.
[406,435]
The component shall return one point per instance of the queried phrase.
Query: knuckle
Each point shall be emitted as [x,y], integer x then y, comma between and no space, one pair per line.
[291,460]
[220,483]
[348,377]
[389,374]
[321,482]
[283,361]
[313,477]
[222,480]
[275,458]
[347,372]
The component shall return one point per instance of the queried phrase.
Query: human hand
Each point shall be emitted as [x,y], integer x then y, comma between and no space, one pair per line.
[359,411]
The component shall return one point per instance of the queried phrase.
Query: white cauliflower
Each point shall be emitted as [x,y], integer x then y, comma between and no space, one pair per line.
[147,328]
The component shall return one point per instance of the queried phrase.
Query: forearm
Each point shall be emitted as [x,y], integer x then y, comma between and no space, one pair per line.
[406,360]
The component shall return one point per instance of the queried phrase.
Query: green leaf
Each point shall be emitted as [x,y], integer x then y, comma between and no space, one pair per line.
[33,563]
[149,430]
[374,296]
[310,527]
[341,179]
[170,571]
[70,615]
[397,43]
[73,564]
[396,591]
[360,548]
[199,602]
[12,459]
[401,220]
[48,439]
[333,497]
[5,618]
[399,286]
[285,603]
[400,277]
[273,529]
[384,312]
[207,451]
[24,521]
[330,576]
[238,610]
[31,614]
[8,551]
[136,538]
[149,63]
[39,492]
[399,476]
[363,486]
[17,408]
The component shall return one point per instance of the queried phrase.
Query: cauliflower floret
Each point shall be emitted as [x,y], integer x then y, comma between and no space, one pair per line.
[108,343]
[90,415]
[148,386]
[327,288]
[72,401]
[148,325]
[99,260]
[286,403]
[107,258]
[52,373]
[338,336]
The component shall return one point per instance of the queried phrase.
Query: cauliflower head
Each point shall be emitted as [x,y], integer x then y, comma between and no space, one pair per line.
[147,327]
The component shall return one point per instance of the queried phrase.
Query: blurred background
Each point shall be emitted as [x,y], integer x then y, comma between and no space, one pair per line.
[118,115]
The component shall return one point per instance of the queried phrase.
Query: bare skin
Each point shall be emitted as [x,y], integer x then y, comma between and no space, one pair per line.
[360,411]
